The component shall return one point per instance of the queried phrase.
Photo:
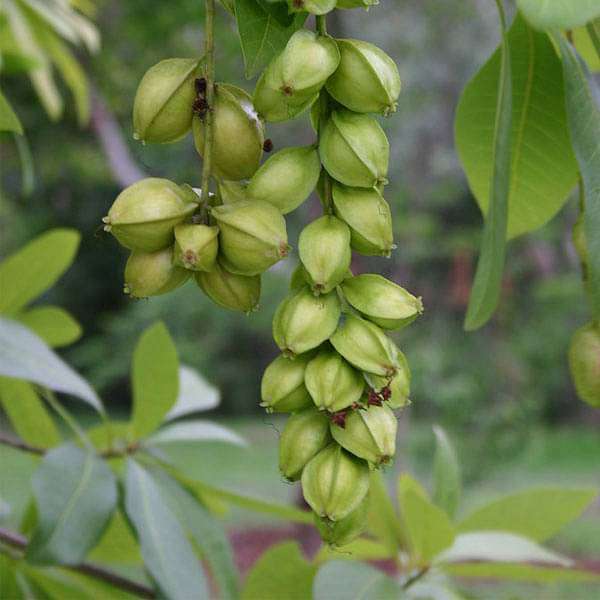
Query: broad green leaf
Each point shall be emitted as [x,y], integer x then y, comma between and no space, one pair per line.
[488,277]
[536,513]
[53,324]
[428,588]
[75,494]
[23,355]
[281,572]
[8,118]
[195,394]
[446,474]
[519,572]
[261,35]
[382,519]
[117,544]
[195,431]
[167,553]
[543,169]
[559,14]
[27,413]
[343,580]
[155,379]
[429,528]
[359,549]
[30,271]
[584,125]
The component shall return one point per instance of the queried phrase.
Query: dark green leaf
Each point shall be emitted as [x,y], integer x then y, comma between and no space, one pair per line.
[446,474]
[559,14]
[26,160]
[75,494]
[53,324]
[8,118]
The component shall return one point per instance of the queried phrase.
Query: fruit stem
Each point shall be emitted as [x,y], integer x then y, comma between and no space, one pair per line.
[324,111]
[322,24]
[209,75]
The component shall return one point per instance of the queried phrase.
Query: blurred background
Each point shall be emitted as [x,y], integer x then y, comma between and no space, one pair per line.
[503,393]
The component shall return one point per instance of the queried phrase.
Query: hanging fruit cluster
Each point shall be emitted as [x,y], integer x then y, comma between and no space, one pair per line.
[339,374]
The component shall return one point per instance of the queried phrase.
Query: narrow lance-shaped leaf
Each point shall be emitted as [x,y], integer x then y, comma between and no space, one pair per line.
[488,277]
[53,324]
[75,494]
[446,474]
[195,431]
[195,394]
[8,118]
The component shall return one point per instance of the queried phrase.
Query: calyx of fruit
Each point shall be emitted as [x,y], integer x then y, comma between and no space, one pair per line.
[282,387]
[196,246]
[235,292]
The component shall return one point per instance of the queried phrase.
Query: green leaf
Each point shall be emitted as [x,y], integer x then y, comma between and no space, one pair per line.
[382,519]
[75,494]
[26,160]
[195,431]
[8,118]
[584,125]
[27,413]
[559,14]
[195,394]
[584,39]
[9,587]
[53,324]
[446,474]
[488,277]
[24,355]
[117,544]
[261,35]
[429,528]
[36,267]
[167,553]
[543,169]
[537,513]
[518,572]
[359,549]
[281,572]
[342,580]
[155,379]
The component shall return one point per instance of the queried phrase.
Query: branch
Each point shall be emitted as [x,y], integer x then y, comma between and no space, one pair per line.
[20,445]
[10,538]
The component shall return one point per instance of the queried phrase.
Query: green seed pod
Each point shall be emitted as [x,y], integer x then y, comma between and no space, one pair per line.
[235,292]
[342,532]
[238,134]
[584,363]
[365,346]
[253,236]
[367,80]
[334,483]
[314,7]
[368,216]
[366,4]
[196,246]
[382,301]
[282,388]
[369,434]
[144,215]
[399,386]
[332,382]
[305,434]
[231,191]
[304,321]
[324,249]
[162,109]
[354,149]
[152,273]
[287,178]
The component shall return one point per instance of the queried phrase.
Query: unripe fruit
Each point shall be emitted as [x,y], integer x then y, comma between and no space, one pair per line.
[334,483]
[305,434]
[382,301]
[369,434]
[282,387]
[238,134]
[287,178]
[366,4]
[354,150]
[584,363]
[196,246]
[235,292]
[332,382]
[252,236]
[152,273]
[324,249]
[144,215]
[368,216]
[162,109]
[314,7]
[399,386]
[303,321]
[231,191]
[365,346]
[367,80]
[342,532]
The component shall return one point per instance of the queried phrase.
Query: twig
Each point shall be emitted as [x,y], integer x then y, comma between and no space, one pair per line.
[20,445]
[11,538]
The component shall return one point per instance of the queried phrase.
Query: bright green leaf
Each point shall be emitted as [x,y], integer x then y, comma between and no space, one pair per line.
[446,474]
[8,118]
[155,379]
[75,494]
[559,14]
[167,553]
[281,572]
[195,431]
[537,513]
[117,544]
[585,44]
[34,268]
[53,324]
[27,413]
[358,549]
